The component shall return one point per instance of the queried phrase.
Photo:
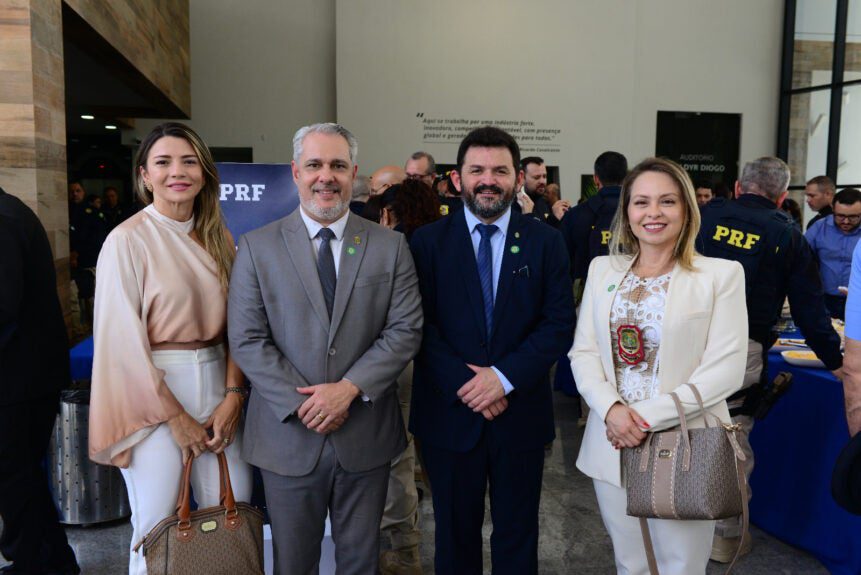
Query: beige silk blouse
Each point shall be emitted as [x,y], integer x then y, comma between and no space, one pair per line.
[154,285]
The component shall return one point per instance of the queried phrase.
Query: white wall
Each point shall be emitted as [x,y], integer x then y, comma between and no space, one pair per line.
[260,69]
[598,70]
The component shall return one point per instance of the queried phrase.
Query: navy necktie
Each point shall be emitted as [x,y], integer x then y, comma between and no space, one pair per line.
[485,272]
[326,267]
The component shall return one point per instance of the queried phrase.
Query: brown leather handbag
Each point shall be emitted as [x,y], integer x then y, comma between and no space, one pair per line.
[686,473]
[223,540]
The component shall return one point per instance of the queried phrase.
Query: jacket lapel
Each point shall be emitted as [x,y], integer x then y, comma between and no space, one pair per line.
[466,266]
[607,293]
[301,253]
[679,284]
[516,241]
[352,252]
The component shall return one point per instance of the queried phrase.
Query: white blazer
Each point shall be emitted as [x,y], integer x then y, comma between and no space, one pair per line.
[703,341]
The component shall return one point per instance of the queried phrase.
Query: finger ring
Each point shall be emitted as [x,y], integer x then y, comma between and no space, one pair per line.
[321,416]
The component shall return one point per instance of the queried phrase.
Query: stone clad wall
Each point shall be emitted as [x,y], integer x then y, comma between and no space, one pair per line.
[33,120]
[152,35]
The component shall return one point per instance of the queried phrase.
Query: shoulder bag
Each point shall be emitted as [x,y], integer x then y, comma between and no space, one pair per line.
[686,473]
[221,540]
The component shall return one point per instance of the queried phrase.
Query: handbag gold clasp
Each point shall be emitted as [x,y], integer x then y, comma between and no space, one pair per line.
[732,426]
[665,454]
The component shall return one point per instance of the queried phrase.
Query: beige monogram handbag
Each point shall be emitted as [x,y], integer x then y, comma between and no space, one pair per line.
[223,540]
[686,473]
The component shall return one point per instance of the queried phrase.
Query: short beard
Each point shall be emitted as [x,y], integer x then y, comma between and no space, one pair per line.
[488,211]
[325,214]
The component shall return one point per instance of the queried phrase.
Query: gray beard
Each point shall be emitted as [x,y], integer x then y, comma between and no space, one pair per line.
[485,211]
[325,214]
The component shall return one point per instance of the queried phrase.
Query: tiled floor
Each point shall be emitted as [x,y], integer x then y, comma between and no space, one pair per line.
[573,540]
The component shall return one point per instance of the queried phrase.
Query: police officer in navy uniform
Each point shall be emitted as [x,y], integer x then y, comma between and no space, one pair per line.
[778,263]
[87,233]
[587,227]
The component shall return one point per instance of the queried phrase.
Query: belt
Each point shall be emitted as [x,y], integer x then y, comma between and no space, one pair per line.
[186,345]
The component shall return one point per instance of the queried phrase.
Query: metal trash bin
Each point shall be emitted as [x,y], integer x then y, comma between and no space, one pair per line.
[85,492]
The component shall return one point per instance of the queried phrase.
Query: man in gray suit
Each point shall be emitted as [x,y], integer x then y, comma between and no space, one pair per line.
[324,313]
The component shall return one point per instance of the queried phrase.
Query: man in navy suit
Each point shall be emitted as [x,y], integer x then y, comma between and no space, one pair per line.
[498,313]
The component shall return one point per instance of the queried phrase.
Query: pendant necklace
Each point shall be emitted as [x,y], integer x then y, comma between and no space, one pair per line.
[631,346]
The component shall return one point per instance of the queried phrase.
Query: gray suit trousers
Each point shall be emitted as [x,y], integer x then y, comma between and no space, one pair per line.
[298,506]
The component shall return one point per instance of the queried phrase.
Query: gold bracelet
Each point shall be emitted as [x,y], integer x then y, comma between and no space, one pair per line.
[240,390]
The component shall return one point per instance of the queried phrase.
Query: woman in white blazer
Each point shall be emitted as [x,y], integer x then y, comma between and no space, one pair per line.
[655,315]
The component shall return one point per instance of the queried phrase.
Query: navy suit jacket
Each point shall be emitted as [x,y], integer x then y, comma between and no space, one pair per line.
[533,324]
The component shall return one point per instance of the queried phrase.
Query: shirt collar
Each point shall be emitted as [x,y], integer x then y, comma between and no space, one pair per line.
[501,223]
[313,226]
[183,227]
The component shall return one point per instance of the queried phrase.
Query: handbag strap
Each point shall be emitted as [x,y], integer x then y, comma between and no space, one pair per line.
[706,414]
[650,551]
[745,522]
[225,495]
[686,438]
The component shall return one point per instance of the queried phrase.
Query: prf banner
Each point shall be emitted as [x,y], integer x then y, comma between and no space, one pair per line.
[253,195]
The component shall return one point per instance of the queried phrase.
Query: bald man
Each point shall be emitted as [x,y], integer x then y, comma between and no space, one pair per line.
[386,177]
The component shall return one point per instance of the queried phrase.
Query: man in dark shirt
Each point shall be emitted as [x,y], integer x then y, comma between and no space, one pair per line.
[87,233]
[819,194]
[587,228]
[34,366]
[778,263]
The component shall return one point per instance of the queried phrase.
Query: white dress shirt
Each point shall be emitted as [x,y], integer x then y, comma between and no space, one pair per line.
[337,227]
[497,249]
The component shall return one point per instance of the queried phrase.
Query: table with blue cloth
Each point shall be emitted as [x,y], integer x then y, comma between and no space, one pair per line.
[796,446]
[81,360]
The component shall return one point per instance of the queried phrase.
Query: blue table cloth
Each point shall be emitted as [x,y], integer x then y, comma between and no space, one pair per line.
[796,446]
[81,359]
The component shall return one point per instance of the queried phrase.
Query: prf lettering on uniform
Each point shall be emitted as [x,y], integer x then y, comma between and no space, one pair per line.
[240,192]
[743,240]
[605,237]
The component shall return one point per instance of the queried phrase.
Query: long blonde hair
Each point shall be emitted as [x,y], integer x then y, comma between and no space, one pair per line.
[623,241]
[208,221]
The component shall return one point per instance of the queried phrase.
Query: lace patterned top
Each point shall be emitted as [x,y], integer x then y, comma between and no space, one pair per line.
[640,302]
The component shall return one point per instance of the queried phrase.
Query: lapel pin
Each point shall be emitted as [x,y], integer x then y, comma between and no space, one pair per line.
[515,249]
[357,240]
[351,250]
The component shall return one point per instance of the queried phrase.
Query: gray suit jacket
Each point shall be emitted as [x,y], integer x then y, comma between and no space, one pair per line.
[281,337]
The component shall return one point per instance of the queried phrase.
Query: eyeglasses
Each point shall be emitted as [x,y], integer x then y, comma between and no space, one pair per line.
[417,176]
[847,217]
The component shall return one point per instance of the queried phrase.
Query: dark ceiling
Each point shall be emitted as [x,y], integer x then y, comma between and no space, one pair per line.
[101,82]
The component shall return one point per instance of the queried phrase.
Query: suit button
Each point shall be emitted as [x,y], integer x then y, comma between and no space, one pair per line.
[332,351]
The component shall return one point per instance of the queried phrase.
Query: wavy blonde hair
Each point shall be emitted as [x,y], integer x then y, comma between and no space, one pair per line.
[623,241]
[208,221]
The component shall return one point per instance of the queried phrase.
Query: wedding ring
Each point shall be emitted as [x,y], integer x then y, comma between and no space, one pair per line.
[321,416]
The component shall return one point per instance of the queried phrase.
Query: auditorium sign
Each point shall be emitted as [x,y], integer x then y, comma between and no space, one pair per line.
[705,144]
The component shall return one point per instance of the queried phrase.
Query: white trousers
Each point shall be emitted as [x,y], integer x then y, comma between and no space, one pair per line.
[681,547]
[197,380]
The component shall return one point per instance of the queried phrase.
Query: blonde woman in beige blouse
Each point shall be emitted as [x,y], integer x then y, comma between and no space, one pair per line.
[164,386]
[655,315]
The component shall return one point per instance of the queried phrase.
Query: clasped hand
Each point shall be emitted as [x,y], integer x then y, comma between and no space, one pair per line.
[328,404]
[194,439]
[484,393]
[624,426]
